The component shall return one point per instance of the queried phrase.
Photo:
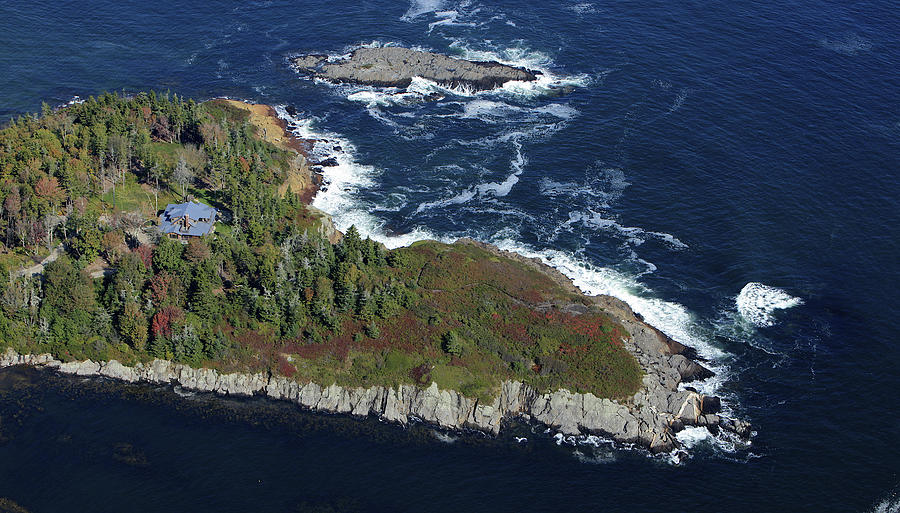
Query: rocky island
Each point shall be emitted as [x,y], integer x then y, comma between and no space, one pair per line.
[276,303]
[393,66]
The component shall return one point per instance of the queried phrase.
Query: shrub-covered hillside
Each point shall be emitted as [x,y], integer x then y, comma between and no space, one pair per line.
[268,290]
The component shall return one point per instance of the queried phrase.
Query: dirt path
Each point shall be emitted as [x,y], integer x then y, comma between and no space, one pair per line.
[39,267]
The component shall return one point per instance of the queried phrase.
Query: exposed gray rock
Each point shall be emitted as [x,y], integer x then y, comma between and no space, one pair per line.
[309,62]
[85,368]
[115,370]
[395,67]
[689,369]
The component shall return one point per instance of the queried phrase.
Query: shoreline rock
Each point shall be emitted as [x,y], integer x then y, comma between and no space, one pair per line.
[650,419]
[394,66]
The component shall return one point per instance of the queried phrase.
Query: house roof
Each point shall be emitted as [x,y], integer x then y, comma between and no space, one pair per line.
[192,209]
[168,221]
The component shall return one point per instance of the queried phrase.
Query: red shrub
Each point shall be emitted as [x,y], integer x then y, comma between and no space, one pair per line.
[163,320]
[159,287]
[421,374]
[145,252]
[285,368]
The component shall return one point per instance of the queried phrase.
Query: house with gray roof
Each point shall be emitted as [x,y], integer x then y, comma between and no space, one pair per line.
[189,219]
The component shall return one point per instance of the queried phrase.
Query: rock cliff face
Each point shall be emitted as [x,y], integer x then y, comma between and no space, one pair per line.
[650,419]
[396,67]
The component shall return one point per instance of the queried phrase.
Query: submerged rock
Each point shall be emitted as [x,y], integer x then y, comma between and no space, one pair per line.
[396,67]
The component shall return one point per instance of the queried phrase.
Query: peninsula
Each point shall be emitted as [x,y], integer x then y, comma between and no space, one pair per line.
[272,300]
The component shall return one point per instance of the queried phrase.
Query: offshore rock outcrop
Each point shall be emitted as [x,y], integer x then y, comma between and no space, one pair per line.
[394,66]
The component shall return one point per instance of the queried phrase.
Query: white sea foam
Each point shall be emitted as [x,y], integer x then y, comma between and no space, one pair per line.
[558,110]
[847,44]
[449,19]
[888,505]
[547,81]
[551,187]
[693,435]
[604,183]
[420,7]
[596,457]
[493,189]
[583,8]
[488,111]
[462,197]
[678,101]
[338,194]
[372,97]
[633,234]
[444,437]
[757,303]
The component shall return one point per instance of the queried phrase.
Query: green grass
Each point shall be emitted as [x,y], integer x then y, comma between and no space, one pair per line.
[132,196]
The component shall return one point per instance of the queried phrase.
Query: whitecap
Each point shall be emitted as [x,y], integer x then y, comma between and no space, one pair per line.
[678,101]
[372,97]
[488,189]
[633,234]
[848,44]
[420,7]
[582,8]
[462,197]
[425,87]
[550,187]
[449,19]
[757,303]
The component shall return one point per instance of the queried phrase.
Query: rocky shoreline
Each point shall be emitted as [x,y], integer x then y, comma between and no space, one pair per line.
[393,66]
[650,419]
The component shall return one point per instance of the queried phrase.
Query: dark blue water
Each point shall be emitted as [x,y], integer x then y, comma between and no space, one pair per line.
[672,154]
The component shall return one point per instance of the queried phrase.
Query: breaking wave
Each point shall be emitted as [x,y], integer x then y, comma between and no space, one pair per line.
[547,82]
[338,193]
[757,303]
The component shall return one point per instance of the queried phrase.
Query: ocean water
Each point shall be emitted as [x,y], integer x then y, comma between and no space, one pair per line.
[728,169]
